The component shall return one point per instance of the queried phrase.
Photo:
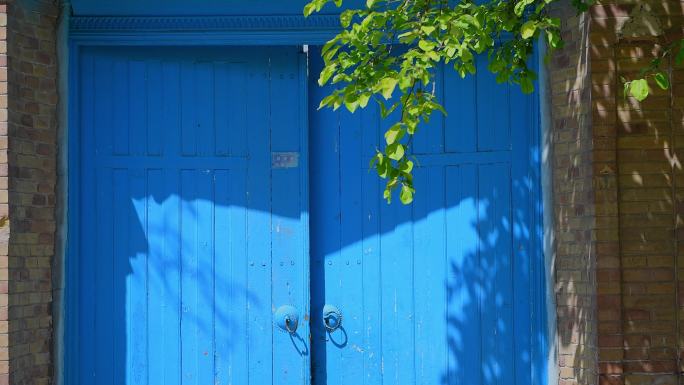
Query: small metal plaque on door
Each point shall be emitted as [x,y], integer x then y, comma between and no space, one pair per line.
[284,159]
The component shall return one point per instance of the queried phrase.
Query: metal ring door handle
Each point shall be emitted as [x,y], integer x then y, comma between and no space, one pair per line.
[287,319]
[332,318]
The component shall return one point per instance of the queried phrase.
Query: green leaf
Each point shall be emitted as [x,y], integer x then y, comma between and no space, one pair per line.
[384,111]
[528,29]
[327,72]
[387,194]
[377,159]
[406,167]
[346,18]
[351,105]
[554,39]
[394,134]
[387,86]
[428,29]
[370,3]
[395,151]
[406,194]
[363,99]
[327,101]
[468,20]
[496,64]
[662,81]
[426,45]
[639,89]
[383,168]
[309,9]
[526,85]
[520,7]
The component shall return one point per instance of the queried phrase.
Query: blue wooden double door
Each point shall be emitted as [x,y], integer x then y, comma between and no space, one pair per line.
[220,214]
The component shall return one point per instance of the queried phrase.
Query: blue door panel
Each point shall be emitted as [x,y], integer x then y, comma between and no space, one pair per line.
[196,184]
[435,292]
[430,274]
[190,238]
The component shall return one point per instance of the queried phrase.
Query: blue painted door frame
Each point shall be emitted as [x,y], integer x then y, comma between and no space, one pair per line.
[379,358]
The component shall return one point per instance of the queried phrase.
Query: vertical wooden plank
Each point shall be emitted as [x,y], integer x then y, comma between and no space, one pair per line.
[136,290]
[172,116]
[524,181]
[289,353]
[460,98]
[188,81]
[104,285]
[121,269]
[190,355]
[430,276]
[464,277]
[231,109]
[349,296]
[224,279]
[397,302]
[172,310]
[259,225]
[171,194]
[104,123]
[157,269]
[88,209]
[205,130]
[325,203]
[238,108]
[238,319]
[120,108]
[155,93]
[495,258]
[396,275]
[137,107]
[372,284]
[304,143]
[493,111]
[223,102]
[204,279]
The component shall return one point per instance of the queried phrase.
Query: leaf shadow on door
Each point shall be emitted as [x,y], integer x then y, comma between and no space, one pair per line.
[175,268]
[439,292]
[436,292]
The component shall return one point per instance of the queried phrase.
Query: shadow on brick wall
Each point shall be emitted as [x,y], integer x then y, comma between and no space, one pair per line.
[32,96]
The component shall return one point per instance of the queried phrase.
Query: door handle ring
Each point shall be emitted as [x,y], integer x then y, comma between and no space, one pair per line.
[332,318]
[290,325]
[287,319]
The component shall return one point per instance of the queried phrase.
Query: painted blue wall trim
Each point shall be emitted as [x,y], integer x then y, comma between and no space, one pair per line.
[204,24]
[211,30]
[195,8]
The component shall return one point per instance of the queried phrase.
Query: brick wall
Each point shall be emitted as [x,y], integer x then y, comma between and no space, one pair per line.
[576,227]
[31,155]
[638,326]
[4,210]
[624,209]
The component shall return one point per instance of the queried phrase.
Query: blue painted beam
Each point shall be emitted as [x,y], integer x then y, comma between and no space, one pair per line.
[193,8]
